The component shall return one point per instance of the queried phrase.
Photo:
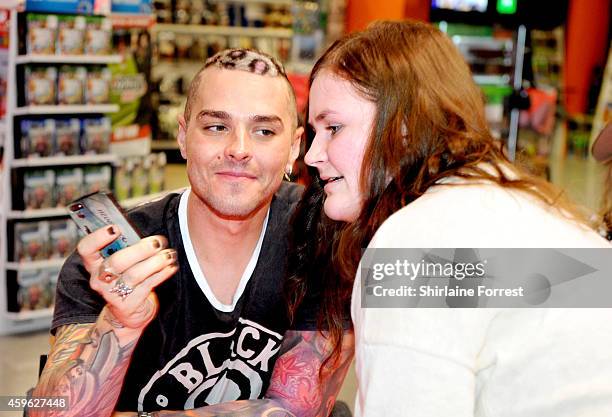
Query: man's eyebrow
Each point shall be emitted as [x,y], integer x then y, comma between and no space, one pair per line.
[214,114]
[266,119]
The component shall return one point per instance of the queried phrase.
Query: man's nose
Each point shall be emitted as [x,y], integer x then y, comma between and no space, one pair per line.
[239,147]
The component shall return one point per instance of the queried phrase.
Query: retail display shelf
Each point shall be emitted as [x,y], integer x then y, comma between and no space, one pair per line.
[37,213]
[67,109]
[503,79]
[158,145]
[68,59]
[136,201]
[223,30]
[30,265]
[64,160]
[483,42]
[132,20]
[31,314]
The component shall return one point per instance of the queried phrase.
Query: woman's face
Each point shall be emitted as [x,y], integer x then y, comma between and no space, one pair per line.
[342,121]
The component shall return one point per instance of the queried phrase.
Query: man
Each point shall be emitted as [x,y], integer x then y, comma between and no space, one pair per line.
[212,331]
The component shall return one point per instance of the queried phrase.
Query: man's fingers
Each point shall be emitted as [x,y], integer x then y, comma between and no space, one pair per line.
[89,247]
[161,276]
[127,258]
[145,269]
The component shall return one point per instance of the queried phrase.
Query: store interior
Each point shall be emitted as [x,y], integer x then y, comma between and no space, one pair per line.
[89,99]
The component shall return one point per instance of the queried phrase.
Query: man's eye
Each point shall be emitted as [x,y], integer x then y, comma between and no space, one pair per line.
[265,132]
[215,128]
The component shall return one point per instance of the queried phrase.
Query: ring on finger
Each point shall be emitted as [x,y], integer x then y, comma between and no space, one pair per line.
[107,272]
[121,289]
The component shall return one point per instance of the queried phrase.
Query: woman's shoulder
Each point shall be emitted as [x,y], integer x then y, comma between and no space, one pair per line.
[482,215]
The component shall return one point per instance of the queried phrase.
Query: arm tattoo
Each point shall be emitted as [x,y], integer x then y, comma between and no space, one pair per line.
[87,364]
[296,389]
[296,381]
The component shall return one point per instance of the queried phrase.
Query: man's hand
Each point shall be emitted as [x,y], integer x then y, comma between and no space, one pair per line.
[141,267]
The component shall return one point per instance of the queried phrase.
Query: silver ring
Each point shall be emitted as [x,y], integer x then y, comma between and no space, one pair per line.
[121,289]
[107,273]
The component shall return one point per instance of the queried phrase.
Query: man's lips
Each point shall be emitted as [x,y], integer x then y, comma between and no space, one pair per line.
[237,174]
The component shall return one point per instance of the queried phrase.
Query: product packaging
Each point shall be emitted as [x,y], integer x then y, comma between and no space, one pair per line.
[40,82]
[70,35]
[37,137]
[67,134]
[97,178]
[156,172]
[31,241]
[63,237]
[42,30]
[123,179]
[98,85]
[33,293]
[71,84]
[38,189]
[140,177]
[68,185]
[96,135]
[98,35]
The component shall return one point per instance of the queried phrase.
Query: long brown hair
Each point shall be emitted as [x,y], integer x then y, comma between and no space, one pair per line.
[429,124]
[606,202]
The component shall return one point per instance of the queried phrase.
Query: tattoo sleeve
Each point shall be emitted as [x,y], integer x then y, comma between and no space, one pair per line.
[296,387]
[87,364]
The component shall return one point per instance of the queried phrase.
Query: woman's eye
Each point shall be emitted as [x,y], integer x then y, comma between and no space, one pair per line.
[334,129]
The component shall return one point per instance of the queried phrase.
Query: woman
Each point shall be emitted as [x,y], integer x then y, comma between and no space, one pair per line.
[405,160]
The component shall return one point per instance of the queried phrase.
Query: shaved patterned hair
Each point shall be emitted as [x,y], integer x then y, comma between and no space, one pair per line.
[248,60]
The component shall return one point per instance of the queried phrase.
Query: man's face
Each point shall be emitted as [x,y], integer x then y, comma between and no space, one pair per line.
[239,140]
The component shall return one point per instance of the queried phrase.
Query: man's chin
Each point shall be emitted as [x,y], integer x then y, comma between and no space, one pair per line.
[231,209]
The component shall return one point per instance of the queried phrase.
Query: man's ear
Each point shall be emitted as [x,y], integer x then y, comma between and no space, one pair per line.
[295,148]
[181,135]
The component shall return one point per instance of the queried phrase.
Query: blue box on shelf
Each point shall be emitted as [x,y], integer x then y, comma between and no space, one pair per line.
[61,6]
[132,6]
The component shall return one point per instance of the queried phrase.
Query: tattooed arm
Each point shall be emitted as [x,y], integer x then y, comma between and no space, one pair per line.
[88,362]
[295,388]
[87,365]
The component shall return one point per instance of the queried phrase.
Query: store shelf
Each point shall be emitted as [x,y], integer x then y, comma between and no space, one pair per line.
[37,213]
[223,30]
[67,109]
[68,59]
[30,265]
[136,201]
[482,42]
[31,315]
[163,145]
[503,79]
[64,160]
[132,20]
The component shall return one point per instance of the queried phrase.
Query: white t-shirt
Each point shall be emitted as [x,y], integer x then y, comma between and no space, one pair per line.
[482,362]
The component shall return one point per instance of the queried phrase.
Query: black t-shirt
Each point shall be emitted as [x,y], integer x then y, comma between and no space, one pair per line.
[193,354]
